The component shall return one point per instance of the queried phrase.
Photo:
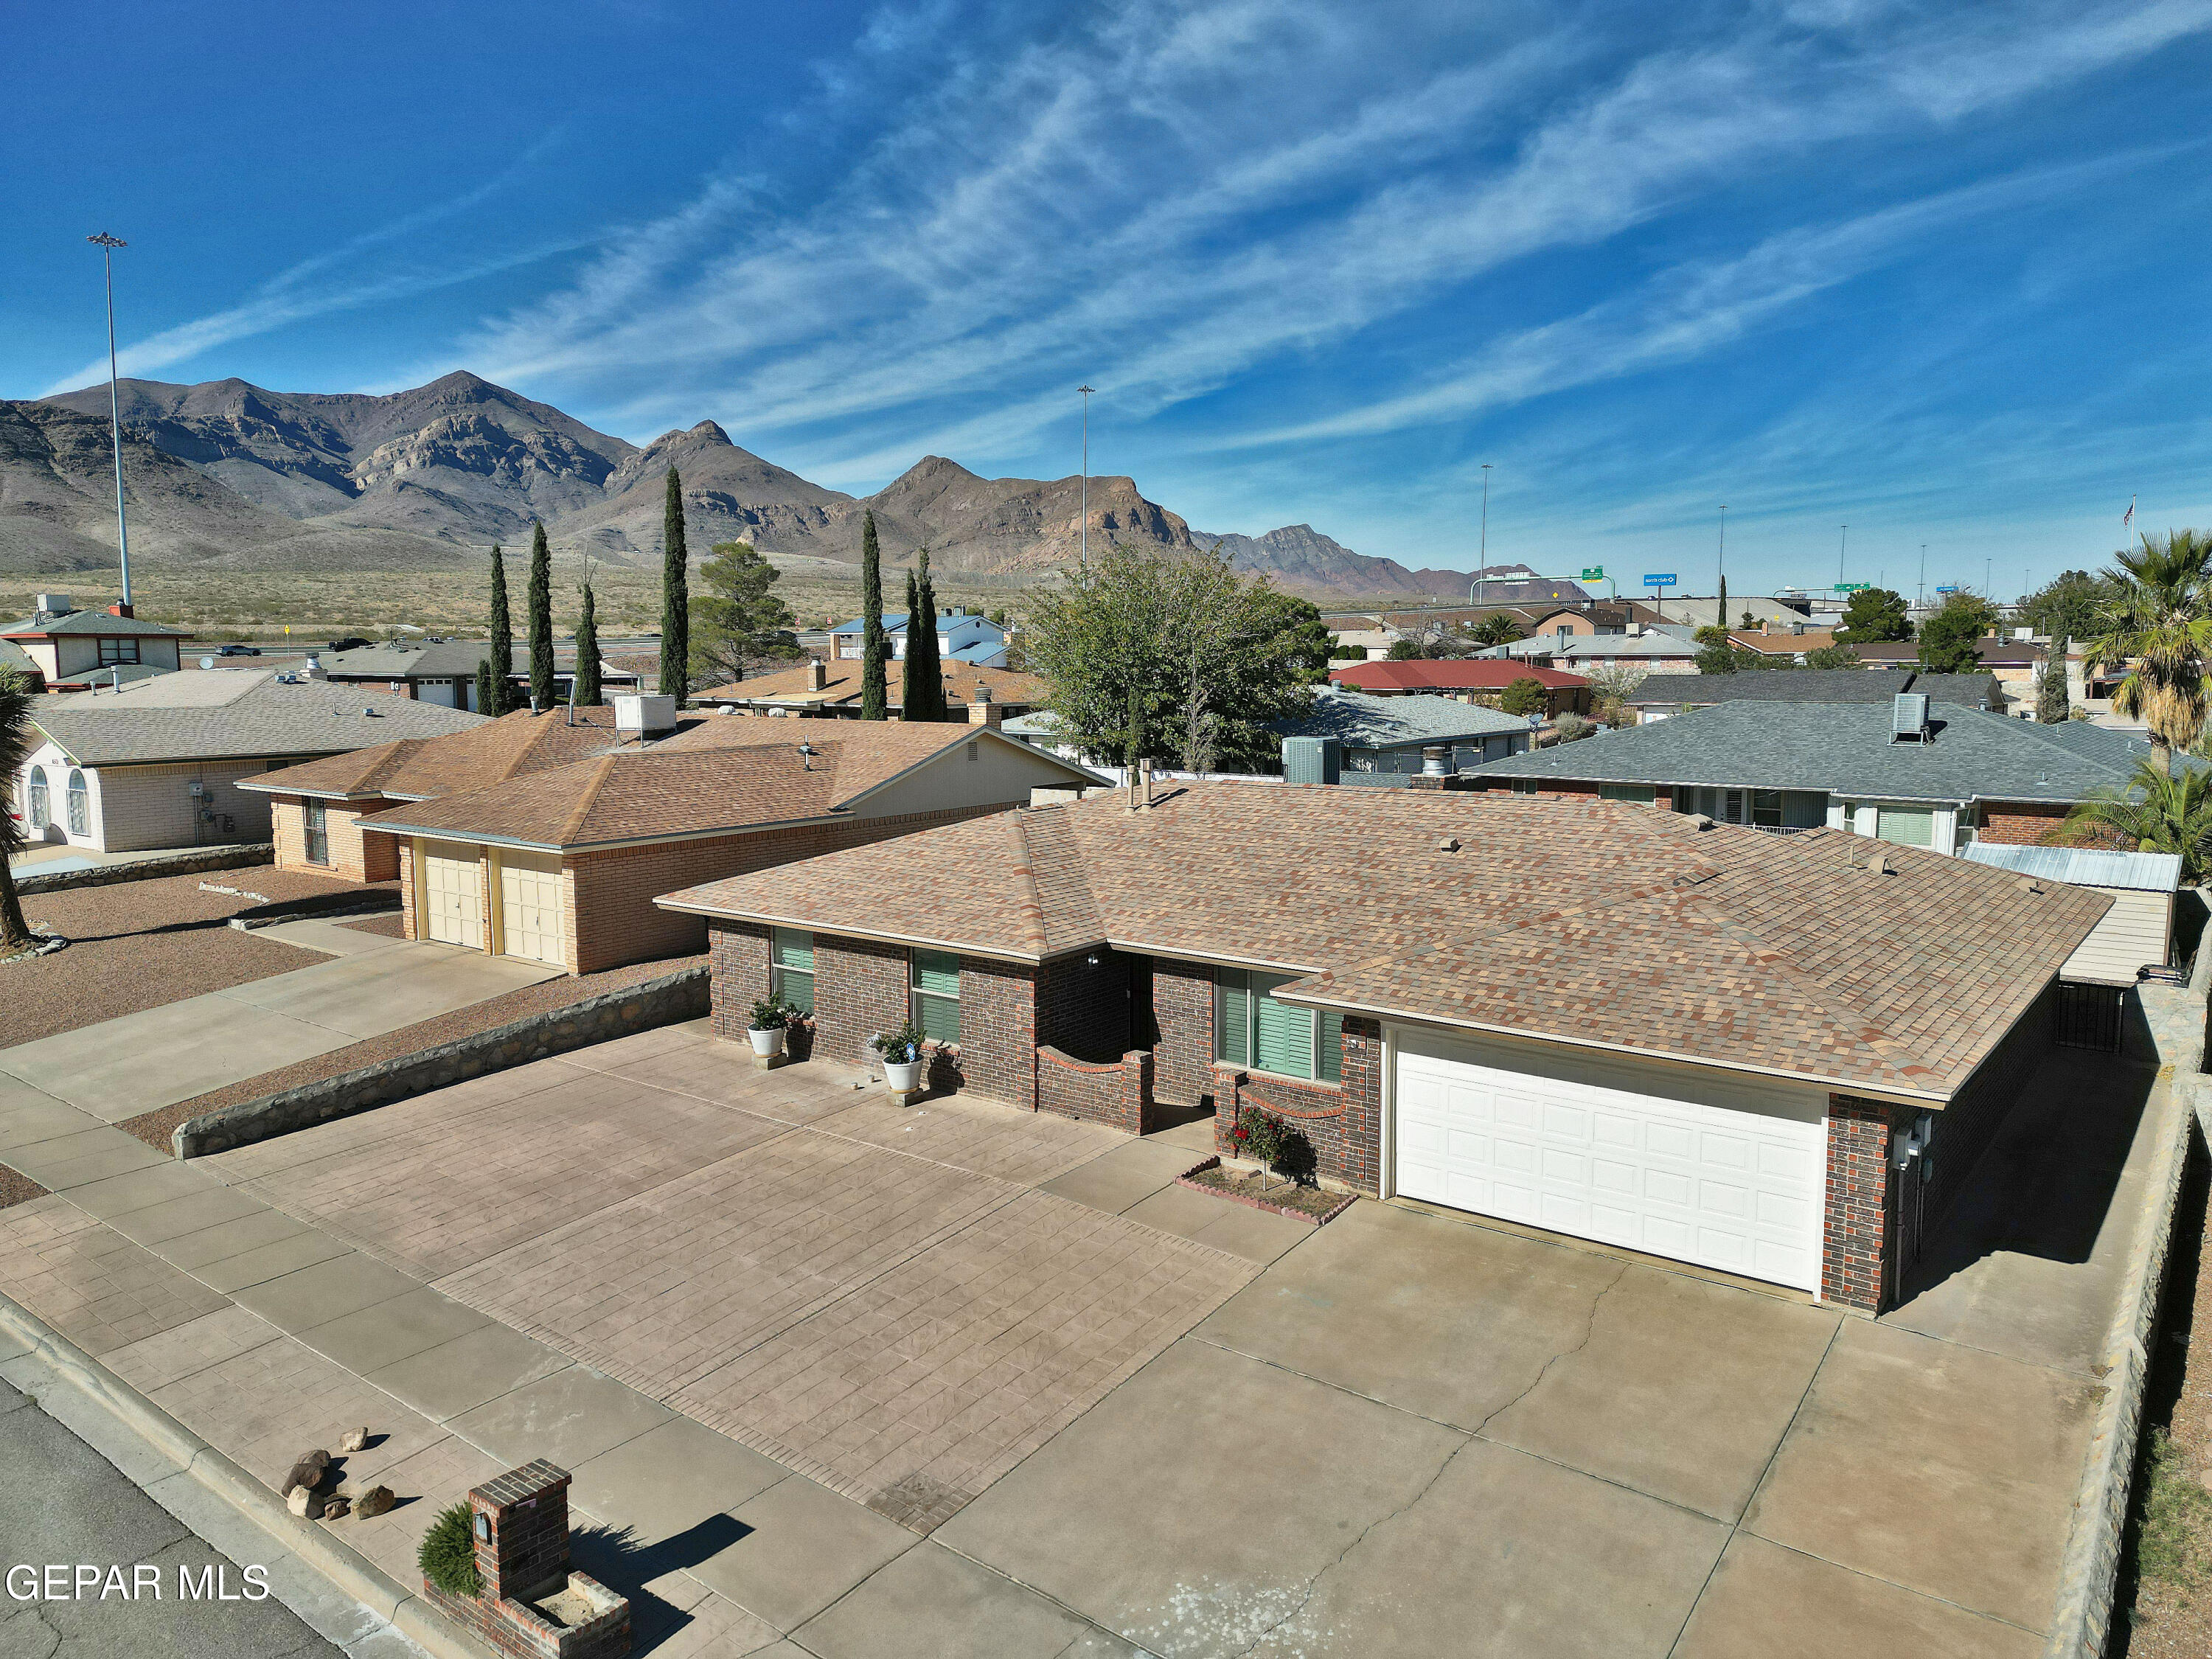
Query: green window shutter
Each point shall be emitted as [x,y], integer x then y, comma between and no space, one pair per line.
[1331,1046]
[937,972]
[793,950]
[937,995]
[1906,826]
[1285,1034]
[1231,1010]
[939,1018]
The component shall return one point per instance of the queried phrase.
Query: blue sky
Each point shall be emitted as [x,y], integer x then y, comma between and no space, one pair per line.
[1936,272]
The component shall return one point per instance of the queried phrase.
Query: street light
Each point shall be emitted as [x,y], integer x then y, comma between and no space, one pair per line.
[1842,541]
[1921,602]
[107,245]
[1482,560]
[1083,532]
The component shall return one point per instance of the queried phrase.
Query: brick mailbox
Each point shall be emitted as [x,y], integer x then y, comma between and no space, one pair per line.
[533,1605]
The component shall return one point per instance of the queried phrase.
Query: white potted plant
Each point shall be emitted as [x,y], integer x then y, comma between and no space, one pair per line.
[902,1057]
[771,1021]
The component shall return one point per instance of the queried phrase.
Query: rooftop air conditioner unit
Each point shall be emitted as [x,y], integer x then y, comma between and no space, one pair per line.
[638,714]
[1909,718]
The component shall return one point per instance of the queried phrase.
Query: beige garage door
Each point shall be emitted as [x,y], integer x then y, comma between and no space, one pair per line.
[453,910]
[530,906]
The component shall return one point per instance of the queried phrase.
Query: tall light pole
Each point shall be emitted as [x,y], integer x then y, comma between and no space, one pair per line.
[1921,603]
[1843,542]
[107,245]
[1720,563]
[1083,532]
[1482,559]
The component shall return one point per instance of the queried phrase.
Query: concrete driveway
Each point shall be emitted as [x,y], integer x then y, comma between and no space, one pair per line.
[964,1381]
[142,1061]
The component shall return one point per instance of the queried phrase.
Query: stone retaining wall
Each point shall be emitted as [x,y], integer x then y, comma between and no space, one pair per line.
[235,857]
[663,1001]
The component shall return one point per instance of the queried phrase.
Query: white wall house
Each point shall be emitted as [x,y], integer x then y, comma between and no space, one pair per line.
[961,636]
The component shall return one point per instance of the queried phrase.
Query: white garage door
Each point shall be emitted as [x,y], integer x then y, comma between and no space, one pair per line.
[453,911]
[1725,1188]
[530,906]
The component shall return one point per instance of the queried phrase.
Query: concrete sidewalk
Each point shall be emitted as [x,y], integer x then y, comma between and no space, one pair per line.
[140,1062]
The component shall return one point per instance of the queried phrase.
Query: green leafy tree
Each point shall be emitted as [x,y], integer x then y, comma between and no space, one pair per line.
[2158,625]
[1525,695]
[1296,623]
[1498,628]
[1875,616]
[502,655]
[538,606]
[925,669]
[675,597]
[874,699]
[18,741]
[586,692]
[1610,689]
[1146,656]
[2071,603]
[1404,651]
[2052,705]
[1831,656]
[739,624]
[2158,811]
[1947,638]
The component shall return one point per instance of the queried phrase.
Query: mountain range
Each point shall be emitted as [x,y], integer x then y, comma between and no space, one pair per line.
[226,475]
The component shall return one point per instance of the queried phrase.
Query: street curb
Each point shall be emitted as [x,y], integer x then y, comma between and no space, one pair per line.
[2089,1570]
[352,1573]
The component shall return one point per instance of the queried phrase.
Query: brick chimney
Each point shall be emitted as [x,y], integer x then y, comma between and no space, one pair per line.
[981,711]
[120,609]
[817,674]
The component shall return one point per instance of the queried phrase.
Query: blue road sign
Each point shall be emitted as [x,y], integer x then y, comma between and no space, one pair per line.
[1659,581]
[1950,590]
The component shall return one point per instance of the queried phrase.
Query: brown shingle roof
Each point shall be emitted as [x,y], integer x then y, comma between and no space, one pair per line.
[841,685]
[721,773]
[419,768]
[1582,920]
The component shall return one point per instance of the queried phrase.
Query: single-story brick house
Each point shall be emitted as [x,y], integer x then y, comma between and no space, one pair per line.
[1467,679]
[560,864]
[1639,1027]
[1658,699]
[70,649]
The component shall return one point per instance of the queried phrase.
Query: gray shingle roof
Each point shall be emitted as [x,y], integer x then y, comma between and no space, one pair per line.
[1810,685]
[1843,748]
[1361,721]
[92,622]
[454,659]
[262,717]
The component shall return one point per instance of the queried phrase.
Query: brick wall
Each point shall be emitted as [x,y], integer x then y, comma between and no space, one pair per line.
[1343,1120]
[736,965]
[139,807]
[1856,1232]
[1182,1006]
[1117,1093]
[997,1056]
[860,987]
[2019,822]
[354,856]
[403,848]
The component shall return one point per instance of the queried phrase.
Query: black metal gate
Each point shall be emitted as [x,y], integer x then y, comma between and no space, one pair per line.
[2091,1017]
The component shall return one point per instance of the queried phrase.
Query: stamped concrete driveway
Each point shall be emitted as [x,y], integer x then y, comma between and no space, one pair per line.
[140,1062]
[840,1380]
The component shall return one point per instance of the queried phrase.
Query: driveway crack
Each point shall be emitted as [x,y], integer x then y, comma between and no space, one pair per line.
[1313,1584]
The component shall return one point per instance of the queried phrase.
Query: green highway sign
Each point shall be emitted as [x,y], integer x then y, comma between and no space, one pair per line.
[1594,574]
[1851,587]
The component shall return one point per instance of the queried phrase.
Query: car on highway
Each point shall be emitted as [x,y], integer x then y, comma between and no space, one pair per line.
[240,651]
[354,643]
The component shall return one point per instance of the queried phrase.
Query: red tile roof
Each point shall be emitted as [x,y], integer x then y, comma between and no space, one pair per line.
[1579,920]
[1448,674]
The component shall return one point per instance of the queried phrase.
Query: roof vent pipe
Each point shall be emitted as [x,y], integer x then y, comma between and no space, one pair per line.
[1436,760]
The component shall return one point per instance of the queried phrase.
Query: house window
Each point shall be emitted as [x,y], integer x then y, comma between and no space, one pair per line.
[1526,786]
[1636,794]
[1250,1028]
[319,834]
[80,804]
[1907,826]
[42,811]
[937,995]
[791,967]
[115,650]
[1766,809]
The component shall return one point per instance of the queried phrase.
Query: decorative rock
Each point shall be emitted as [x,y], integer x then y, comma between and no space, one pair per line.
[353,1440]
[320,1459]
[304,1502]
[335,1509]
[374,1501]
[305,1476]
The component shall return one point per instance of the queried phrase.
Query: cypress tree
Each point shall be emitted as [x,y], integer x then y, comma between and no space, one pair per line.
[912,705]
[537,605]
[925,671]
[484,692]
[872,698]
[502,637]
[1721,615]
[674,598]
[2052,704]
[587,654]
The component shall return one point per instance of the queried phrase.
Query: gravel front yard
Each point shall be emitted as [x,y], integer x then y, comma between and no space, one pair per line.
[154,1128]
[137,944]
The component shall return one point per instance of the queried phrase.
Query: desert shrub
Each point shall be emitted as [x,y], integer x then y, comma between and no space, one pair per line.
[448,1552]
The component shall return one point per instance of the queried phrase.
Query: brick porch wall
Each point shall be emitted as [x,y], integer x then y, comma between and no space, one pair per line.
[1344,1119]
[997,1056]
[2019,822]
[1855,1233]
[1117,1093]
[1182,1005]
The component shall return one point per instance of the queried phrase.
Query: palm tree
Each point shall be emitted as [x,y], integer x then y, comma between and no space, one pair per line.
[2158,625]
[2158,811]
[16,743]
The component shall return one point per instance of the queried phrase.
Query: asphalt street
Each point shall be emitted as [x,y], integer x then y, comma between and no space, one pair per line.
[64,1506]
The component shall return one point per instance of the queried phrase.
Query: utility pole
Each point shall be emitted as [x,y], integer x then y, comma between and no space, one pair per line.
[1482,561]
[1720,564]
[107,245]
[1082,531]
[1843,542]
[1921,602]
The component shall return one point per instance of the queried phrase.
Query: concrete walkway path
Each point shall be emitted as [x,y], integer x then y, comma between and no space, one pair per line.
[140,1062]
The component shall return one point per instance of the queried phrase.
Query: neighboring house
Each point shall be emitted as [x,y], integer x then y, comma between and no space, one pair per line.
[1466,679]
[1388,734]
[71,650]
[962,636]
[1693,613]
[1908,771]
[1655,650]
[1659,701]
[446,673]
[1363,644]
[163,762]
[1790,643]
[2136,932]
[832,690]
[1590,1018]
[1583,621]
[561,866]
[2015,664]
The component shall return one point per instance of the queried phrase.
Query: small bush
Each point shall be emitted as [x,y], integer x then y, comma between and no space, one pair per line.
[1525,695]
[1276,1147]
[448,1554]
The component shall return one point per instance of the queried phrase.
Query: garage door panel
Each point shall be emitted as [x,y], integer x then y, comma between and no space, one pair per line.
[452,895]
[1715,1185]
